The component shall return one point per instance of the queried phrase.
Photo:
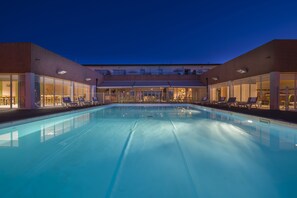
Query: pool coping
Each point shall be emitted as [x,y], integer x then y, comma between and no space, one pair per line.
[251,117]
[43,117]
[247,116]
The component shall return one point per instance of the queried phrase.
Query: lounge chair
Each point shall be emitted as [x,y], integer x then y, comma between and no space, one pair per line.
[230,102]
[67,102]
[249,103]
[204,100]
[82,102]
[220,101]
[95,101]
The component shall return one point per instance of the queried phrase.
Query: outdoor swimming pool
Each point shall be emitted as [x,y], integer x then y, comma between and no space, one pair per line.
[148,151]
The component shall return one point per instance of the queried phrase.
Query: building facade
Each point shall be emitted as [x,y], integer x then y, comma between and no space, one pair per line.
[268,72]
[151,82]
[33,77]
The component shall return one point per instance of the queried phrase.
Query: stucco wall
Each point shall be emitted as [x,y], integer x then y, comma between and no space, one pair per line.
[15,57]
[276,55]
[45,62]
[151,77]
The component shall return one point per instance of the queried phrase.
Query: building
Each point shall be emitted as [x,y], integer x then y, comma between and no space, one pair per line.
[33,77]
[268,72]
[152,82]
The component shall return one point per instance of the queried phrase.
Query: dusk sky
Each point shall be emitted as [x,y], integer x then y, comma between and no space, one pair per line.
[153,31]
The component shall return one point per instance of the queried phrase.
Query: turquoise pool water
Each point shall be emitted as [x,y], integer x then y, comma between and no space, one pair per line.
[144,151]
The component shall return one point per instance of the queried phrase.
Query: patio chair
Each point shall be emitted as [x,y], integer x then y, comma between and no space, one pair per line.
[82,102]
[249,103]
[220,101]
[204,100]
[95,101]
[230,102]
[66,101]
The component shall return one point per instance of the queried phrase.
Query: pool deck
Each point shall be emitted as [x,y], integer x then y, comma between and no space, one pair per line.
[284,116]
[20,114]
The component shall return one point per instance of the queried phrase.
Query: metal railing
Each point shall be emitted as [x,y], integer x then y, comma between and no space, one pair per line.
[121,98]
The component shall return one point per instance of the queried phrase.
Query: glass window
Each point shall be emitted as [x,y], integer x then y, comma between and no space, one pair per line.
[49,90]
[264,89]
[15,91]
[287,91]
[66,88]
[58,91]
[5,91]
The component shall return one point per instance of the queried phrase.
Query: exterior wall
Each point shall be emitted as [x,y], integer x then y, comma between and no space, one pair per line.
[258,61]
[285,56]
[15,57]
[47,63]
[151,77]
[277,55]
[28,60]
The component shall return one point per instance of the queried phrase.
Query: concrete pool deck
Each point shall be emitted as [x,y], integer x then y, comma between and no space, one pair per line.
[284,116]
[20,114]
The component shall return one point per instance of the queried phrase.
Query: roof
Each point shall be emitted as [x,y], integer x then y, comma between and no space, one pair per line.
[192,64]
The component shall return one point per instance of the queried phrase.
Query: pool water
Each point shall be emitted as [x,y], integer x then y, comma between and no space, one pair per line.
[148,151]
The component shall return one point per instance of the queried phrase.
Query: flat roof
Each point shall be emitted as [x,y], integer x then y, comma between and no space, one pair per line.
[192,64]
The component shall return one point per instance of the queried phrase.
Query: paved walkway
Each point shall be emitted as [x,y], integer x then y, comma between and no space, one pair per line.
[19,114]
[286,116]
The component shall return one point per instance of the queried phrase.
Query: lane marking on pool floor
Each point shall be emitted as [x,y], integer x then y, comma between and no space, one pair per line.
[71,140]
[121,160]
[184,159]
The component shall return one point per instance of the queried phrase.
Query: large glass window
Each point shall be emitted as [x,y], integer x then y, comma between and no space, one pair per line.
[9,91]
[78,91]
[264,91]
[5,91]
[66,88]
[287,91]
[49,91]
[242,89]
[52,90]
[58,91]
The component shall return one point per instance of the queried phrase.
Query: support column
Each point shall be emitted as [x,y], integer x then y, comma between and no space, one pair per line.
[231,89]
[93,91]
[29,94]
[274,90]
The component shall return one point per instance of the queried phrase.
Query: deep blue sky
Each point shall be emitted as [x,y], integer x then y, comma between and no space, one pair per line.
[153,31]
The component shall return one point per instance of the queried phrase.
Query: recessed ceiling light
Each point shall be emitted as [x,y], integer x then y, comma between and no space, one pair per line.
[61,72]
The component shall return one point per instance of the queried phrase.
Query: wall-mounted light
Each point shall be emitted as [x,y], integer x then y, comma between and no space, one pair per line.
[215,78]
[61,71]
[242,70]
[88,79]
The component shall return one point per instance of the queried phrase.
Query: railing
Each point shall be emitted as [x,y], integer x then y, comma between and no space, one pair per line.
[120,98]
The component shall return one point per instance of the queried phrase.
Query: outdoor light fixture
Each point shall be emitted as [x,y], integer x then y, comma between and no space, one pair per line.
[88,79]
[61,72]
[242,70]
[215,78]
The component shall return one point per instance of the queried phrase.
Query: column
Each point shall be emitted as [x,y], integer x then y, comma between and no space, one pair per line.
[231,89]
[274,90]
[93,91]
[29,94]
